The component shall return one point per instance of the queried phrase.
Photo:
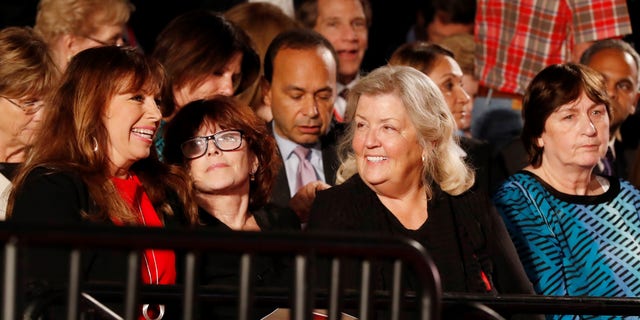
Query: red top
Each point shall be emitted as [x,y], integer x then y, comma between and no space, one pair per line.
[158,266]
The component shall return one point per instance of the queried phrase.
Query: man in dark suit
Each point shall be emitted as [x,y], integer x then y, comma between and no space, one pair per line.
[300,73]
[619,63]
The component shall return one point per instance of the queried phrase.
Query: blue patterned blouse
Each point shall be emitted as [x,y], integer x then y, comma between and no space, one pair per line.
[574,245]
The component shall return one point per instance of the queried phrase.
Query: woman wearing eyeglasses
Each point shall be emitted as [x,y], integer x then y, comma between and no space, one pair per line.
[232,160]
[27,73]
[70,26]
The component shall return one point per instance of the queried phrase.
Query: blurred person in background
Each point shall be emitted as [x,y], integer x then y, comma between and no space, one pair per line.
[27,75]
[70,26]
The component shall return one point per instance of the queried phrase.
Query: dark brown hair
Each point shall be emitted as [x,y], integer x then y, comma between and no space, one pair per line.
[198,43]
[93,77]
[227,113]
[551,88]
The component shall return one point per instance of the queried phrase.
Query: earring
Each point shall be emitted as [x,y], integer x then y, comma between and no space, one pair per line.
[95,144]
[423,159]
[252,176]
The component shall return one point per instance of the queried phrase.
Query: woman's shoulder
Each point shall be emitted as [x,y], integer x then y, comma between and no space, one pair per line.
[352,187]
[54,177]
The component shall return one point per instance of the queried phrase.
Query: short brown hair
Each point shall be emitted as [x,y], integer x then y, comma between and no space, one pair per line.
[551,88]
[307,13]
[198,43]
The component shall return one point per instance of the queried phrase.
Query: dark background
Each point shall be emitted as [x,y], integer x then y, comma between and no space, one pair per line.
[391,21]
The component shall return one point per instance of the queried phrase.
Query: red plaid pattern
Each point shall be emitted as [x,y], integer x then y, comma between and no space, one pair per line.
[517,39]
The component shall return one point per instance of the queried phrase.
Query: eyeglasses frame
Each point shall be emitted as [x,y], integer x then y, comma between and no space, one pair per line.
[27,110]
[104,43]
[215,142]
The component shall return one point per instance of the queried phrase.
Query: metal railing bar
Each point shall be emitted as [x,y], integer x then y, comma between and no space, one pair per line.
[301,309]
[396,288]
[73,296]
[365,288]
[10,279]
[189,287]
[245,303]
[334,290]
[131,292]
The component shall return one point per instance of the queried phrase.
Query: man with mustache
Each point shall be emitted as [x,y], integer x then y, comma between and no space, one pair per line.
[300,74]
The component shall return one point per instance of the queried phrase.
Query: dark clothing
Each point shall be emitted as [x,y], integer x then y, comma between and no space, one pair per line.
[223,269]
[281,194]
[479,157]
[57,198]
[9,170]
[463,234]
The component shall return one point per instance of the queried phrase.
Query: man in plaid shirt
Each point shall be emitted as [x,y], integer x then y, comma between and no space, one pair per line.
[517,39]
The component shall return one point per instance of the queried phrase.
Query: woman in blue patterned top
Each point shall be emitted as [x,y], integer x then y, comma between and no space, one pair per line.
[577,233]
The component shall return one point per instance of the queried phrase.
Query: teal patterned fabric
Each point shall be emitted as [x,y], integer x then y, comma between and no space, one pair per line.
[574,245]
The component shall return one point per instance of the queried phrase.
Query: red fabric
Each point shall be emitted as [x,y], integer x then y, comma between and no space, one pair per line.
[165,260]
[517,39]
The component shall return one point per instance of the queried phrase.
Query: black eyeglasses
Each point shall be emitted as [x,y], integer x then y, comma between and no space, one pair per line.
[117,42]
[29,107]
[227,140]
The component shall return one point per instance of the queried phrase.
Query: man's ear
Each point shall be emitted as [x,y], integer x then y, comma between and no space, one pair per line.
[265,89]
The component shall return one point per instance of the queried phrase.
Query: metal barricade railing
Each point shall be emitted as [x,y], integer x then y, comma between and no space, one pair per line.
[304,246]
[539,304]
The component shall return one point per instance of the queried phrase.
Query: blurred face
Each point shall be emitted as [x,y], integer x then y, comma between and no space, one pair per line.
[301,93]
[222,172]
[344,24]
[386,145]
[448,76]
[621,75]
[131,120]
[575,135]
[221,82]
[20,120]
[438,30]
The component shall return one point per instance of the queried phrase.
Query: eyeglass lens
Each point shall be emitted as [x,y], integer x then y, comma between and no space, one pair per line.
[224,140]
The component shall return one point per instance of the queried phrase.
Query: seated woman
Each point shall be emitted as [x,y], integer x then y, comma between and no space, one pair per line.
[405,176]
[27,74]
[204,55]
[95,164]
[439,64]
[577,233]
[233,161]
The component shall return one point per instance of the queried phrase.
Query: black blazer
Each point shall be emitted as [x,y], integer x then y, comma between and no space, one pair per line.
[482,239]
[280,194]
[57,198]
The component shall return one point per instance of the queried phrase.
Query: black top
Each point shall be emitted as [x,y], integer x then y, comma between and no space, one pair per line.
[57,197]
[268,271]
[464,235]
[9,169]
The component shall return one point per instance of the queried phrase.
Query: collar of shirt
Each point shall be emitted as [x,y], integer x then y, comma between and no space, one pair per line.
[291,161]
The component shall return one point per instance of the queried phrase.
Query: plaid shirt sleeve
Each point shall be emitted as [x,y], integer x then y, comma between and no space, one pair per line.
[515,40]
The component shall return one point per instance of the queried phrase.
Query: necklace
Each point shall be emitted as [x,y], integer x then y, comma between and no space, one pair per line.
[158,309]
